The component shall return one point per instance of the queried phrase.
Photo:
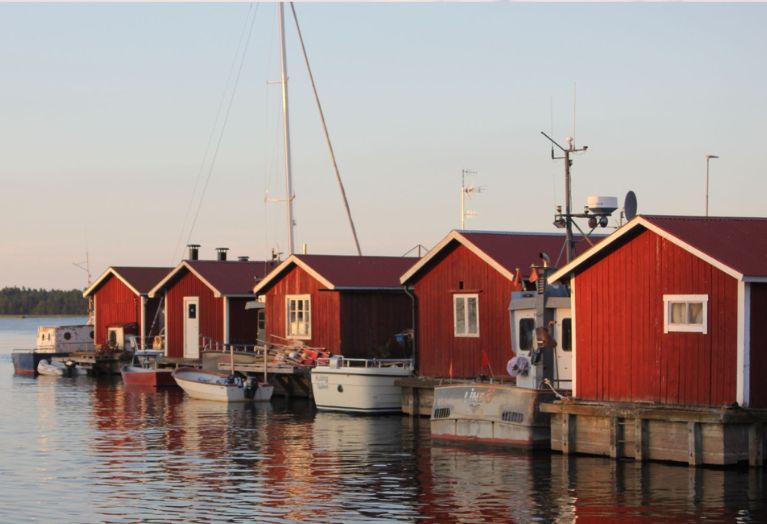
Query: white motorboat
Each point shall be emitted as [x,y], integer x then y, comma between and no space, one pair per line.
[209,385]
[359,385]
[57,368]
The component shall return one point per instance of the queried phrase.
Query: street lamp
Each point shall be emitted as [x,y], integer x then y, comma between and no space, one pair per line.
[708,157]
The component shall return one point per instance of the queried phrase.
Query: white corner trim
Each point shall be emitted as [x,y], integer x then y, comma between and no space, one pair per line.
[226,321]
[743,377]
[573,334]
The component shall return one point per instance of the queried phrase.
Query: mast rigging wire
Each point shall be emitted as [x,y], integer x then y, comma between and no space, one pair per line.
[245,34]
[325,129]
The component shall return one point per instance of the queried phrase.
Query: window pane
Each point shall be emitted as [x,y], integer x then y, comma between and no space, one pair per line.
[460,315]
[695,312]
[678,313]
[526,329]
[567,334]
[472,315]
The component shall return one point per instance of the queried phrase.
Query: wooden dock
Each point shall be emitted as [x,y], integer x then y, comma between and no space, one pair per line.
[695,435]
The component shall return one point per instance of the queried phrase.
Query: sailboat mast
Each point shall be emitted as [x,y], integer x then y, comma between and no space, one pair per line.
[286,129]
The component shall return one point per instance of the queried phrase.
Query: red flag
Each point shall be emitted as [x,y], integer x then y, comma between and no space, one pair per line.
[450,370]
[533,276]
[518,280]
[485,360]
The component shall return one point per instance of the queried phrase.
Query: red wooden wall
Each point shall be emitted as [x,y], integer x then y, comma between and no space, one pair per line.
[243,323]
[437,346]
[758,337]
[369,322]
[326,326]
[210,313]
[622,353]
[115,304]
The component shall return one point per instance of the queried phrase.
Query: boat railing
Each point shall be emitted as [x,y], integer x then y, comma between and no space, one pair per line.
[343,362]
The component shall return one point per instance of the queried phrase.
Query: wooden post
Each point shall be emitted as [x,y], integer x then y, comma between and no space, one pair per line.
[694,445]
[615,437]
[567,435]
[756,445]
[640,439]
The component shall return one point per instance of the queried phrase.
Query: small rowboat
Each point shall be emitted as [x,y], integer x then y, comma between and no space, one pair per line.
[209,385]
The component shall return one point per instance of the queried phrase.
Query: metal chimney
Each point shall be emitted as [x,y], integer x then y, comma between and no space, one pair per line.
[221,253]
[194,251]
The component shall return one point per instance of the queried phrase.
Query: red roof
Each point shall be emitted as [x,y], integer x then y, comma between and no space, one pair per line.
[736,245]
[345,271]
[737,242]
[224,277]
[506,251]
[140,279]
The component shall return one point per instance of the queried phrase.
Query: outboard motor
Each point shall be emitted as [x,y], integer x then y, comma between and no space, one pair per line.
[251,385]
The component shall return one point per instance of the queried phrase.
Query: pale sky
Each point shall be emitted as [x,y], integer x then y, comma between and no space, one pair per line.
[108,109]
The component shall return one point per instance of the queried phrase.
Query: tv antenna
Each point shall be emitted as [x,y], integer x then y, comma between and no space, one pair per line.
[467,191]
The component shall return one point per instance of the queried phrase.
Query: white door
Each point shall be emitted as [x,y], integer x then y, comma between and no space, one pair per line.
[191,327]
[563,335]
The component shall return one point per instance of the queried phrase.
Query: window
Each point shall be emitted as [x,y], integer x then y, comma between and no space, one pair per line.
[299,316]
[192,311]
[526,333]
[567,334]
[466,315]
[685,313]
[261,319]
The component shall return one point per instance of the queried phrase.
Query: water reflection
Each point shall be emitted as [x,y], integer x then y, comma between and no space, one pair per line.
[105,453]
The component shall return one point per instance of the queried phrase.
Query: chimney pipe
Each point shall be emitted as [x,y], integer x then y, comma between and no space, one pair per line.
[221,253]
[194,251]
[243,258]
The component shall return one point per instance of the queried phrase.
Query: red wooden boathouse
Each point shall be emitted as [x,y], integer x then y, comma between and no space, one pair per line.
[463,287]
[121,298]
[204,303]
[347,305]
[673,310]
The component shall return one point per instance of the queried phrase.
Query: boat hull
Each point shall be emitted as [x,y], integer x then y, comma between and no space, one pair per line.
[208,385]
[26,362]
[358,389]
[491,414]
[147,377]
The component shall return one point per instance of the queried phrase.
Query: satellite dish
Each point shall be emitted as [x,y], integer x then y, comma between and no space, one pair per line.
[518,366]
[630,205]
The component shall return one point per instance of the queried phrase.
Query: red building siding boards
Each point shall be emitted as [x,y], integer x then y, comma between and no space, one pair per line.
[325,321]
[437,345]
[115,304]
[369,322]
[243,323]
[210,313]
[758,343]
[622,352]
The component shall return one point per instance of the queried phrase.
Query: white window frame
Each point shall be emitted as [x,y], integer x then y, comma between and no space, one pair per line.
[465,297]
[669,327]
[307,311]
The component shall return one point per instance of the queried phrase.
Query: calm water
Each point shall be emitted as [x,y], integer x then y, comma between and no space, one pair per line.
[82,450]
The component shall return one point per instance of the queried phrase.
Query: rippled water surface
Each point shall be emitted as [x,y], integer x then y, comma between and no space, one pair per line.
[86,450]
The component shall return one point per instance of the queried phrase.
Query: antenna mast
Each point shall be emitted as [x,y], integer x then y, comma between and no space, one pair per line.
[566,219]
[467,190]
[286,128]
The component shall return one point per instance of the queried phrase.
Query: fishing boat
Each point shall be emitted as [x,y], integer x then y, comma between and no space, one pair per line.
[57,368]
[52,342]
[359,385]
[506,415]
[209,385]
[143,371]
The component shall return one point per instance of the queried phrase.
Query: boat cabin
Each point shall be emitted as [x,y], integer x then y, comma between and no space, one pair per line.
[672,310]
[463,288]
[346,305]
[204,302]
[122,306]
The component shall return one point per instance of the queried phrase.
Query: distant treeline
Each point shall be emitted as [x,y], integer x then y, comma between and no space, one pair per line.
[25,301]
